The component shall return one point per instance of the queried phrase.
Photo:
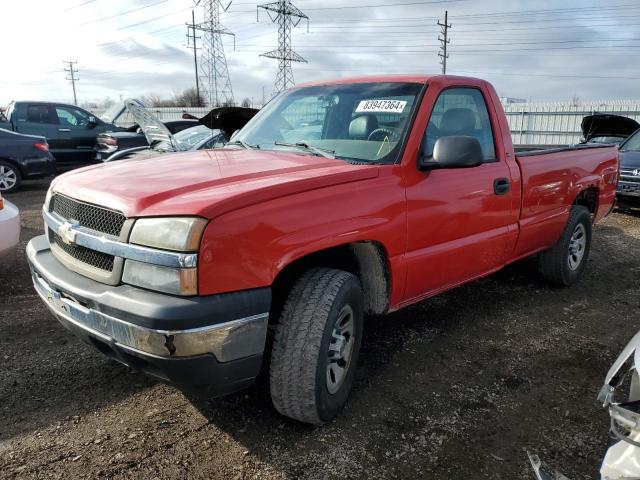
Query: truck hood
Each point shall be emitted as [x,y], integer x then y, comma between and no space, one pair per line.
[115,113]
[604,125]
[206,183]
[629,159]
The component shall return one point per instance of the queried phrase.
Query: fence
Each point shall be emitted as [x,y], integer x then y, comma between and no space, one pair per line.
[530,123]
[559,123]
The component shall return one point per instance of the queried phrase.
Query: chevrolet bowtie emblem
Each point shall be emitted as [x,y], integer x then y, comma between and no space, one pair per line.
[67,232]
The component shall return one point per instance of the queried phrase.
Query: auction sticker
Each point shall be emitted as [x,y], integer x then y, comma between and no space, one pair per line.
[387,106]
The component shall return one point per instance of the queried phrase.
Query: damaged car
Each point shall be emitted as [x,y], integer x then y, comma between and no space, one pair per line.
[213,130]
[620,394]
[129,136]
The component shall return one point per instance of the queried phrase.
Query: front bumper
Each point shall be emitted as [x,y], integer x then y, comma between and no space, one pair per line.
[215,341]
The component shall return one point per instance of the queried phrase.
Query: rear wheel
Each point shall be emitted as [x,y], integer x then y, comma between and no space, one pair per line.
[316,346]
[564,263]
[10,177]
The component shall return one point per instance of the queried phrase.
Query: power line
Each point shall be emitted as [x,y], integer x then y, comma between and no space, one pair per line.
[101,19]
[287,15]
[72,78]
[79,5]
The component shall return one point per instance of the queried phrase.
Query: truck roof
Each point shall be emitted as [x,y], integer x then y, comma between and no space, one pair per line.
[408,78]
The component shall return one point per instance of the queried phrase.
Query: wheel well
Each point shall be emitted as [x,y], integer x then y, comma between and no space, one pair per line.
[588,198]
[367,260]
[14,163]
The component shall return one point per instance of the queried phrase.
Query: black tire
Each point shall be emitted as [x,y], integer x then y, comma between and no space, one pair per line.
[300,365]
[556,265]
[13,178]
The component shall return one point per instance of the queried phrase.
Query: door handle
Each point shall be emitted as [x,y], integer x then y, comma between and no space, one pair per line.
[64,129]
[501,186]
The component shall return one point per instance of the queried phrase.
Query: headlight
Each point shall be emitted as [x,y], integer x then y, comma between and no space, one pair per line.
[176,281]
[181,234]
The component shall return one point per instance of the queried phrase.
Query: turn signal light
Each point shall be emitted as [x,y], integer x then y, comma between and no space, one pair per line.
[43,147]
[1,203]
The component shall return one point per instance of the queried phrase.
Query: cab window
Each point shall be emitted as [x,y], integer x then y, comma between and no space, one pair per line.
[40,114]
[72,117]
[461,111]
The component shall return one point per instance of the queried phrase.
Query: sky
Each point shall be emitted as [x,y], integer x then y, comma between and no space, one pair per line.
[539,50]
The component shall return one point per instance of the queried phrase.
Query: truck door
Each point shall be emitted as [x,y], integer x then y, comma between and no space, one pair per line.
[78,134]
[37,119]
[461,222]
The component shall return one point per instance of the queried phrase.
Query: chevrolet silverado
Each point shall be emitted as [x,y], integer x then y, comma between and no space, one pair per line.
[338,200]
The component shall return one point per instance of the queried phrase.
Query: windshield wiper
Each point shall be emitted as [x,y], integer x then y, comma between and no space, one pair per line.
[323,152]
[244,144]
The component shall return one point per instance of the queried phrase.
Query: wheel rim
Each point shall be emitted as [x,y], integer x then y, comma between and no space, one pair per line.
[577,246]
[340,349]
[8,178]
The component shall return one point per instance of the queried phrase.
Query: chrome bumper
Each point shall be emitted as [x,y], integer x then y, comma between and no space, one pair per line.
[228,341]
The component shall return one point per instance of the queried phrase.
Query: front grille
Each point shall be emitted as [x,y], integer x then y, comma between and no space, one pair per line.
[85,255]
[88,216]
[628,176]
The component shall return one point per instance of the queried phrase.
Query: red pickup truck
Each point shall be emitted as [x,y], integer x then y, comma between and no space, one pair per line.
[338,200]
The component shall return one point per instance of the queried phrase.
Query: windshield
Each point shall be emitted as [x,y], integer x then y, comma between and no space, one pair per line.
[194,136]
[360,121]
[632,144]
[606,139]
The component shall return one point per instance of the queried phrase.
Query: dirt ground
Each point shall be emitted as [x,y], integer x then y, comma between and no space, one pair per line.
[457,387]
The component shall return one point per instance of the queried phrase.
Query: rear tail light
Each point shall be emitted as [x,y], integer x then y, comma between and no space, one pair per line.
[42,146]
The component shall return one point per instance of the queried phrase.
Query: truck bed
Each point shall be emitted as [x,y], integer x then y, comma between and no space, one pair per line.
[551,181]
[527,151]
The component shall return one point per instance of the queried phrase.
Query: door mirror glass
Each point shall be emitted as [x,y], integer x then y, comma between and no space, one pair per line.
[93,122]
[456,151]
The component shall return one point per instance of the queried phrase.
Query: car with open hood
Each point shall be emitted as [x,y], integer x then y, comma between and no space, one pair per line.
[607,128]
[212,130]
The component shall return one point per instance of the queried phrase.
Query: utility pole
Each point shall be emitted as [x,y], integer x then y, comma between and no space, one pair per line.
[192,37]
[72,78]
[287,15]
[444,41]
[214,75]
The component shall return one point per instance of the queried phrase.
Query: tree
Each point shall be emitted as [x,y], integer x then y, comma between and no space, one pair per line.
[575,100]
[246,102]
[188,98]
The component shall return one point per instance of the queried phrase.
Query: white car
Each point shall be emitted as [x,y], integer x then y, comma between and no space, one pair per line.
[9,227]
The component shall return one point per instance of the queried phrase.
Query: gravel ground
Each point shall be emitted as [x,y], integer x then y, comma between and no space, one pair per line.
[456,387]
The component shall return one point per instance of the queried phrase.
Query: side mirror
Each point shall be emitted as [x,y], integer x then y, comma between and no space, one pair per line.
[93,122]
[452,152]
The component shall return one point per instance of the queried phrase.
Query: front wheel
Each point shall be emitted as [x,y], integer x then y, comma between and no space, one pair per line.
[565,261]
[316,346]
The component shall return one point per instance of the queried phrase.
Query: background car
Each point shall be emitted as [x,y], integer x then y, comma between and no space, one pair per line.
[23,157]
[628,192]
[213,130]
[607,129]
[9,227]
[108,143]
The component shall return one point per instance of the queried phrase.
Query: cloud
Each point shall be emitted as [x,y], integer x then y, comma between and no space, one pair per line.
[541,50]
